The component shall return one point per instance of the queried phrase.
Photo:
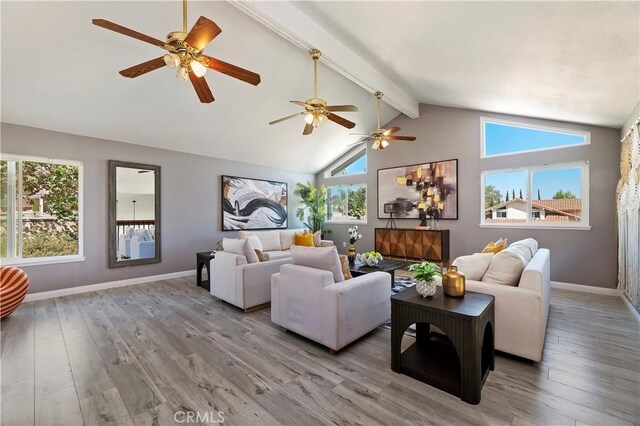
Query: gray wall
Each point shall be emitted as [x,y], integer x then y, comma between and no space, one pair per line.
[190,202]
[581,257]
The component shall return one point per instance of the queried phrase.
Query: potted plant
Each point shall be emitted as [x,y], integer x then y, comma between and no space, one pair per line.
[315,205]
[354,237]
[425,273]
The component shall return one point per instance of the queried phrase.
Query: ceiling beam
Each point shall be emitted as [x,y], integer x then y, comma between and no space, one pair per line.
[289,22]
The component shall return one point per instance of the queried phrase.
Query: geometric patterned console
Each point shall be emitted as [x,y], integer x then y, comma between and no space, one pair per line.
[414,244]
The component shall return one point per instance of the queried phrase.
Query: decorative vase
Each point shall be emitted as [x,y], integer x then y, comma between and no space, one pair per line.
[453,282]
[426,288]
[352,253]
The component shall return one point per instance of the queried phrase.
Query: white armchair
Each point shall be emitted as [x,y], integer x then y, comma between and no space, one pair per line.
[245,285]
[141,248]
[308,302]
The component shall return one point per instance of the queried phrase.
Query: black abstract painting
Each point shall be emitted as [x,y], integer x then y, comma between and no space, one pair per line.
[253,204]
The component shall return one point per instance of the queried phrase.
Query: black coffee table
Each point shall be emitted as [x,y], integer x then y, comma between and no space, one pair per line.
[358,268]
[458,362]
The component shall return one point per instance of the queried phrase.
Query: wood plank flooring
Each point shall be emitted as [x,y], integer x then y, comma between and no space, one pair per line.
[139,354]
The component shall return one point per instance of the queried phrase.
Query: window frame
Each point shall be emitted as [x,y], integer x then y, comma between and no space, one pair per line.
[344,159]
[486,120]
[584,224]
[33,261]
[354,221]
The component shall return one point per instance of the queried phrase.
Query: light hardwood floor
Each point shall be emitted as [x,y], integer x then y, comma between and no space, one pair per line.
[136,355]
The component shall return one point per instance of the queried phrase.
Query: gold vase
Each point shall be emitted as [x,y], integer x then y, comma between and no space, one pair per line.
[351,255]
[453,282]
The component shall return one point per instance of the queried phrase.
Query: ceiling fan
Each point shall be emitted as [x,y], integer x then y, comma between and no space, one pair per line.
[185,54]
[316,110]
[381,137]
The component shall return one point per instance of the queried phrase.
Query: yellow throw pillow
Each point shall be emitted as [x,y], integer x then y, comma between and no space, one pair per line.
[344,262]
[495,247]
[305,240]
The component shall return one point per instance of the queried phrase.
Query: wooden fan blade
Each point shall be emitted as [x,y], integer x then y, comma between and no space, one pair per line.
[126,31]
[202,88]
[143,68]
[401,138]
[202,33]
[233,71]
[359,134]
[286,118]
[308,128]
[391,130]
[351,108]
[302,104]
[341,121]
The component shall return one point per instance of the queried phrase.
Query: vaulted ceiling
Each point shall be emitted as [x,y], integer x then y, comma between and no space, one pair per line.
[572,61]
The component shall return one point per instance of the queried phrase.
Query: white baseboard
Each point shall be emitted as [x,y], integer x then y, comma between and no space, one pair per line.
[585,288]
[103,286]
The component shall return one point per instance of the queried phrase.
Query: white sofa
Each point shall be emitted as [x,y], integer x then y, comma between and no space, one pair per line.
[309,302]
[245,285]
[521,311]
[277,243]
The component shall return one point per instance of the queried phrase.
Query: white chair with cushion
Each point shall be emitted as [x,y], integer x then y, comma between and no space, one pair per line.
[239,278]
[519,278]
[311,297]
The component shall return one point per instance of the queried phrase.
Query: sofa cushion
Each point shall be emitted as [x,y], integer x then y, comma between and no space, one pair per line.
[305,239]
[325,258]
[242,247]
[317,239]
[496,247]
[276,254]
[505,268]
[261,257]
[530,243]
[255,242]
[270,239]
[524,252]
[288,238]
[473,266]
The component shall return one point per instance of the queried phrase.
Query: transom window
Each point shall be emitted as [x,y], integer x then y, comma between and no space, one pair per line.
[554,195]
[40,210]
[506,138]
[354,163]
[347,203]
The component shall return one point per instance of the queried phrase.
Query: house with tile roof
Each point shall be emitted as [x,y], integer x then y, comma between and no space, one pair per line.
[554,210]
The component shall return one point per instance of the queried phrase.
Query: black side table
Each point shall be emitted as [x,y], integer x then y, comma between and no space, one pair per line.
[203,260]
[458,362]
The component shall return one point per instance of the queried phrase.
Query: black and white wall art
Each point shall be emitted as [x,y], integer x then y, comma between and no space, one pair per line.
[253,204]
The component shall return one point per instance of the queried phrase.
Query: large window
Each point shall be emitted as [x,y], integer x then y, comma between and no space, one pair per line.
[505,138]
[40,210]
[347,203]
[546,196]
[354,163]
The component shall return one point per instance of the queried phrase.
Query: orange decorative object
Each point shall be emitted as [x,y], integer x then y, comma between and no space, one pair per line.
[14,284]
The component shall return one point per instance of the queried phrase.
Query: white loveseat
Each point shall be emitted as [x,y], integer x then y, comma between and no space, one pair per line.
[276,243]
[521,311]
[309,302]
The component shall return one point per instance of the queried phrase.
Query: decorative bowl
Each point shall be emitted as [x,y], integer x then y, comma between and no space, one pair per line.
[426,288]
[370,260]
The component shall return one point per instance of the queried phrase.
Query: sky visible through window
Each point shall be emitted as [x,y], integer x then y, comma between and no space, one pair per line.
[506,139]
[358,166]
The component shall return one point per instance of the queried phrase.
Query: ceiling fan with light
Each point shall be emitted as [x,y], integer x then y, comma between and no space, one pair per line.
[185,53]
[379,136]
[316,110]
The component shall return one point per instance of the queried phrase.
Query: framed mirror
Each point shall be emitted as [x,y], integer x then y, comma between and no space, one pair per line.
[134,214]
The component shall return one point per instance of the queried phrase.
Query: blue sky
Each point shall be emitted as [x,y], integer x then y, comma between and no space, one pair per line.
[501,139]
[358,166]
